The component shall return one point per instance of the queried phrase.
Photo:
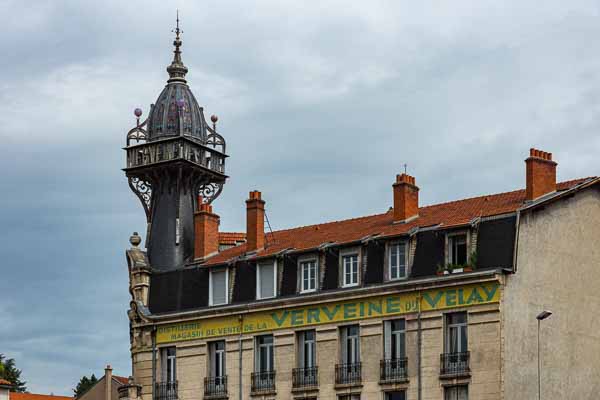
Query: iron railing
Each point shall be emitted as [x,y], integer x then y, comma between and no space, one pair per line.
[305,377]
[215,386]
[263,381]
[348,373]
[165,391]
[394,370]
[454,363]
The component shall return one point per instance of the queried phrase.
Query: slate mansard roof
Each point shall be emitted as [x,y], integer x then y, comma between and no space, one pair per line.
[493,215]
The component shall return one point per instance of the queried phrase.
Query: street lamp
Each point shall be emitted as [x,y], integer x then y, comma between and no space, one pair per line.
[540,317]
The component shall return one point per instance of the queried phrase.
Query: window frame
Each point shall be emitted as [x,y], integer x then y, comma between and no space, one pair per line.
[351,252]
[168,363]
[301,352]
[210,286]
[301,262]
[388,339]
[449,395]
[212,359]
[390,245]
[271,358]
[448,326]
[259,266]
[450,236]
[344,338]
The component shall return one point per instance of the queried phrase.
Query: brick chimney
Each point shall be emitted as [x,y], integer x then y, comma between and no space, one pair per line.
[541,174]
[206,231]
[406,198]
[255,222]
[108,383]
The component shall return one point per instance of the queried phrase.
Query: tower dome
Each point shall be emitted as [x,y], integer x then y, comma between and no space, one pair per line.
[176,111]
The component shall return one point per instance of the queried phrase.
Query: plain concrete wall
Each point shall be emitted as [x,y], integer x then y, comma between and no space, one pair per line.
[558,268]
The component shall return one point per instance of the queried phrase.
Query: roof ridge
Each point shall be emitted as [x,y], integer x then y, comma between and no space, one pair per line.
[423,207]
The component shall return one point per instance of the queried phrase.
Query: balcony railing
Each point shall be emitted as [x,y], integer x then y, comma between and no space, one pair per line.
[394,370]
[346,374]
[452,364]
[165,391]
[305,377]
[263,381]
[215,386]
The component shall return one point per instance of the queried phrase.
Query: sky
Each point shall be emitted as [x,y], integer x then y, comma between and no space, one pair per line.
[321,104]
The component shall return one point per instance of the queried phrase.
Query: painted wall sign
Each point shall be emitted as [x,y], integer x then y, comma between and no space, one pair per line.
[350,310]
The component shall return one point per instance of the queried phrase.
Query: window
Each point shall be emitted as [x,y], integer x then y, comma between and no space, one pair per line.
[349,397]
[169,364]
[395,395]
[457,249]
[264,353]
[350,344]
[218,287]
[350,270]
[456,333]
[308,275]
[217,359]
[266,278]
[307,349]
[394,333]
[456,393]
[397,260]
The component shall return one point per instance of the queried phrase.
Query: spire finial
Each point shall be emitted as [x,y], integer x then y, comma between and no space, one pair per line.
[177,70]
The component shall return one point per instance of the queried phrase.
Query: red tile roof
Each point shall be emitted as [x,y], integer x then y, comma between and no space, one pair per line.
[454,213]
[231,238]
[5,382]
[33,396]
[121,379]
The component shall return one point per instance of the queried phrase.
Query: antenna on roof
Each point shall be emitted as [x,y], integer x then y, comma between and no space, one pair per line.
[270,230]
[404,168]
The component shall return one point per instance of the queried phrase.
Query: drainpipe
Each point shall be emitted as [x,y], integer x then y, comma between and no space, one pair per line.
[153,362]
[419,339]
[241,319]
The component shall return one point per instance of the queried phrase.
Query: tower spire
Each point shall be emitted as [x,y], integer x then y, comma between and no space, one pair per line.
[177,70]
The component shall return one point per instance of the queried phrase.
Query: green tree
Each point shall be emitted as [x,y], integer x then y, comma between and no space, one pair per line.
[85,384]
[9,371]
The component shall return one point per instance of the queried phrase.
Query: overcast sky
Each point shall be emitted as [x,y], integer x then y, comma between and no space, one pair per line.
[321,105]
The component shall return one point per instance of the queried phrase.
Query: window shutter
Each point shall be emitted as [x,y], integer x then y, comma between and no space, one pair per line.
[344,345]
[163,365]
[219,289]
[301,350]
[387,337]
[290,275]
[267,280]
[213,360]
[375,262]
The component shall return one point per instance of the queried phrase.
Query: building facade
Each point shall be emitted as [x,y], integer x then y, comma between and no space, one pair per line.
[435,302]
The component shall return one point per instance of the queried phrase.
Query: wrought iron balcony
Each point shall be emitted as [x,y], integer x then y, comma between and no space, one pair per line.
[215,386]
[175,149]
[303,378]
[263,381]
[454,364]
[394,370]
[165,391]
[348,374]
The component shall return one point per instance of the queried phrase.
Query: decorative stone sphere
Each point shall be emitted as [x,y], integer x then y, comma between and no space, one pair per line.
[214,118]
[137,112]
[135,239]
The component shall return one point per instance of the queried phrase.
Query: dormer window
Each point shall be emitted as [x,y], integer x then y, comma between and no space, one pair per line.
[397,260]
[457,249]
[218,292]
[266,279]
[350,268]
[308,275]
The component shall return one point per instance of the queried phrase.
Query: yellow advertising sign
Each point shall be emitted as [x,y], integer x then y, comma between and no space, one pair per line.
[350,310]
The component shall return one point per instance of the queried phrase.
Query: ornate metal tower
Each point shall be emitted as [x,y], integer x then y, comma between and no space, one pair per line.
[174,161]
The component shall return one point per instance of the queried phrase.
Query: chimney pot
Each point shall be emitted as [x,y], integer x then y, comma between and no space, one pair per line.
[206,231]
[540,174]
[255,221]
[406,198]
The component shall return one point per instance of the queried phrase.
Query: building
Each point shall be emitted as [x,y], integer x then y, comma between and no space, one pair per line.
[434,302]
[107,387]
